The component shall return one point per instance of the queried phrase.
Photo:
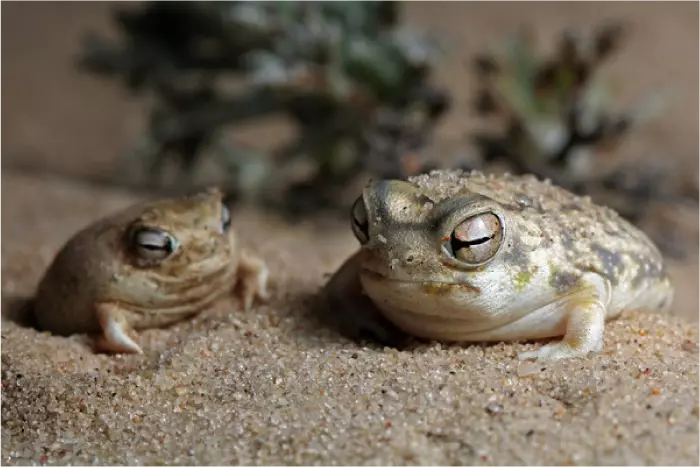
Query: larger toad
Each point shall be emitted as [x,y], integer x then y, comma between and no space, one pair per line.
[459,256]
[147,266]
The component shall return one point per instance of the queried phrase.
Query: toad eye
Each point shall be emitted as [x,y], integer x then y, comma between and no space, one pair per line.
[153,244]
[360,226]
[225,217]
[476,240]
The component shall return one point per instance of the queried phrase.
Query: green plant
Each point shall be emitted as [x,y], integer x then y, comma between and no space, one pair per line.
[551,116]
[353,83]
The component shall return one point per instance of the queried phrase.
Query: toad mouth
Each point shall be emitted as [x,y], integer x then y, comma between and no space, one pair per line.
[432,287]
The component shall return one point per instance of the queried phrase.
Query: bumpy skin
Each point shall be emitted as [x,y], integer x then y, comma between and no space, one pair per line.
[102,282]
[557,265]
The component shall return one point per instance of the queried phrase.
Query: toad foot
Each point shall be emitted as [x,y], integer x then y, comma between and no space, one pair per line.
[115,328]
[254,275]
[585,326]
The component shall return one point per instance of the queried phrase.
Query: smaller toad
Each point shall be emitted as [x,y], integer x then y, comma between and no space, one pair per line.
[147,266]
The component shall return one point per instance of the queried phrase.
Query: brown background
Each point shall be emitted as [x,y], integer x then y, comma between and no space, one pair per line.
[55,114]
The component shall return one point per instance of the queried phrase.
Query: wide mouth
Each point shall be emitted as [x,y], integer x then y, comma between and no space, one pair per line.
[437,284]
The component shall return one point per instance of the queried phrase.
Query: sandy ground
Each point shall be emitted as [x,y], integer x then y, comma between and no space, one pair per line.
[275,386]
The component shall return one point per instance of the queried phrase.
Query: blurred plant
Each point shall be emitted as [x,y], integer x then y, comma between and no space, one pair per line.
[354,84]
[553,118]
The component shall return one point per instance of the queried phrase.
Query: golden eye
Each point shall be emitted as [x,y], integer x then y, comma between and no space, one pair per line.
[360,226]
[153,244]
[476,240]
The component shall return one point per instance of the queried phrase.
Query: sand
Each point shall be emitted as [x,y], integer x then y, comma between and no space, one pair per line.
[276,386]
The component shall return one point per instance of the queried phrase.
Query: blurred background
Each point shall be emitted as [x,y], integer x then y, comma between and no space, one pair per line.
[291,107]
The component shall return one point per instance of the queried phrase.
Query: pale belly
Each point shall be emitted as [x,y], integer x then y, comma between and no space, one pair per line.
[449,313]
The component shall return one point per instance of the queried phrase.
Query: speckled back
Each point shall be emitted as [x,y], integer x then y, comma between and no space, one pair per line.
[589,236]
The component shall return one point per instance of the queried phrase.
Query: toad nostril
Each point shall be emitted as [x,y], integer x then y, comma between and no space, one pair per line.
[409,259]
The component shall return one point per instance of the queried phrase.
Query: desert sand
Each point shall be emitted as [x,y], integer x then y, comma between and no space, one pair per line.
[275,385]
